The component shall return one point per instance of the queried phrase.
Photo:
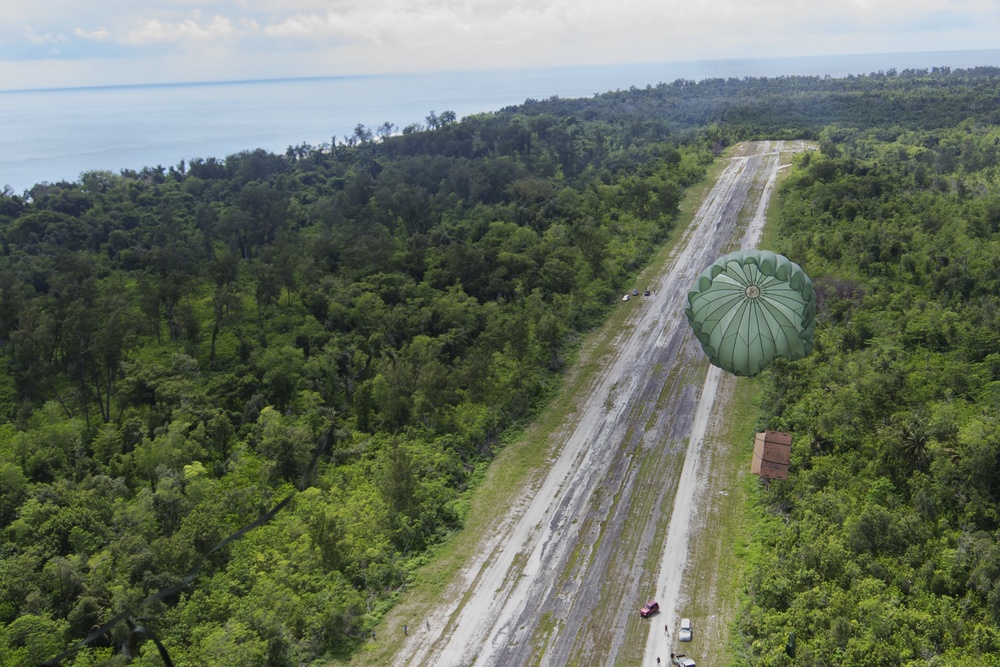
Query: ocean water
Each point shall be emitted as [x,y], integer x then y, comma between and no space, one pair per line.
[55,135]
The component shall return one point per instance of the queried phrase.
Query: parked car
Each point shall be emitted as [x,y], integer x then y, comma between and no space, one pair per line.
[685,634]
[650,608]
[681,660]
[625,298]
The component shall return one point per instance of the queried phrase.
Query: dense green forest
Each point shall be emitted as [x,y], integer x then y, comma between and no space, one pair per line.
[327,346]
[883,546]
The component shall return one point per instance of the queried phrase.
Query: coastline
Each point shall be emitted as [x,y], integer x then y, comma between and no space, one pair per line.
[53,135]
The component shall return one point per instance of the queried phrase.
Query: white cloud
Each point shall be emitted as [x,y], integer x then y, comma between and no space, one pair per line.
[40,40]
[408,35]
[246,38]
[156,31]
[460,25]
[99,35]
[308,25]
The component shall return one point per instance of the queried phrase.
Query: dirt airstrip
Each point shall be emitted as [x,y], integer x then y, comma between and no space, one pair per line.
[611,518]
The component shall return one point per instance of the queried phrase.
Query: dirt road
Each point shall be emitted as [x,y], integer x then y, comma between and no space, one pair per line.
[560,580]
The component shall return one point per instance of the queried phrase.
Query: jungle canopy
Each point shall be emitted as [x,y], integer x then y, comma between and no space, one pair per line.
[750,307]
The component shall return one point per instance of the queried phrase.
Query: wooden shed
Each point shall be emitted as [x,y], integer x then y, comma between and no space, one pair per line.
[771,453]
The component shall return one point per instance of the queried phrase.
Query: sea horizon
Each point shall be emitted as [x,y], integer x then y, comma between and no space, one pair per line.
[710,63]
[57,134]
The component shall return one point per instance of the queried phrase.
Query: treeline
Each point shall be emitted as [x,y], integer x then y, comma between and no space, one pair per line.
[883,546]
[797,107]
[179,344]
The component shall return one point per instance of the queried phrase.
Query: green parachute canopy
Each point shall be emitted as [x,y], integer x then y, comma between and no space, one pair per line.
[750,307]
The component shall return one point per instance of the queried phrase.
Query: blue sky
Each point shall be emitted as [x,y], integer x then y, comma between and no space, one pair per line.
[60,43]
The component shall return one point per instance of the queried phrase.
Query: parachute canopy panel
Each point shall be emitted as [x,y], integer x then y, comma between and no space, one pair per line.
[750,307]
[772,450]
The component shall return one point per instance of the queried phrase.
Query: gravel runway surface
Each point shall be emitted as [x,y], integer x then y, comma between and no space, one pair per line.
[560,580]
